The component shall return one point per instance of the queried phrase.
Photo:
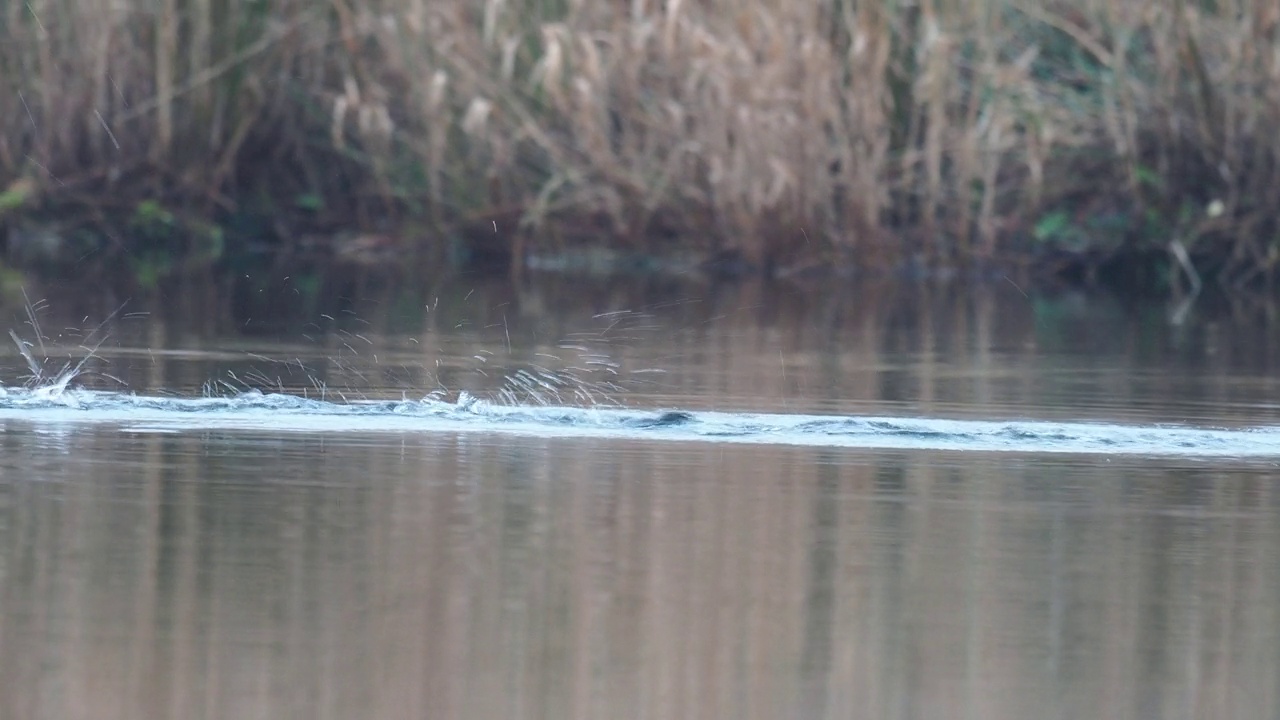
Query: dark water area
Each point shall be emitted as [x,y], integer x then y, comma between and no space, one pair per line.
[467,499]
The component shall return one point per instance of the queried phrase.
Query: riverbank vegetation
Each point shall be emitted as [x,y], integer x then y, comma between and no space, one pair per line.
[762,133]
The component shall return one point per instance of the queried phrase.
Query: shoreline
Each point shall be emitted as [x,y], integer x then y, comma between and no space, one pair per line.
[174,247]
[751,133]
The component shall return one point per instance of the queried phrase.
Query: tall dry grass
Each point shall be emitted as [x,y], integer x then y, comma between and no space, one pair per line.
[853,129]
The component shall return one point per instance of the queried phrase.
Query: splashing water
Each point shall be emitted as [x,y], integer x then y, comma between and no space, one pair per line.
[576,402]
[281,413]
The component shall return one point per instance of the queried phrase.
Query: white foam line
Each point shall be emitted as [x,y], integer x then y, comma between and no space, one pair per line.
[759,429]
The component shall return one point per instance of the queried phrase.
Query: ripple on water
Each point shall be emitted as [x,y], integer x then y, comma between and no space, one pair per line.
[291,413]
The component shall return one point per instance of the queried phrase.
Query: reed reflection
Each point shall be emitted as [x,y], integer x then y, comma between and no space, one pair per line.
[227,575]
[985,351]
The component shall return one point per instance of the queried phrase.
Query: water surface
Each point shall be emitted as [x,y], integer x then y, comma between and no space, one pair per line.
[474,501]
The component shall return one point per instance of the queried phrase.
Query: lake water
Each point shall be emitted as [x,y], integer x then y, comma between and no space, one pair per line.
[637,499]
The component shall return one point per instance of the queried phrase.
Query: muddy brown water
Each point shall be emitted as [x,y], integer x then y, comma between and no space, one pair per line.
[177,564]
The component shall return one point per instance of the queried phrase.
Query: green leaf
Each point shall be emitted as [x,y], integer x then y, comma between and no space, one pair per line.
[1148,177]
[1052,226]
[309,201]
[19,193]
[150,212]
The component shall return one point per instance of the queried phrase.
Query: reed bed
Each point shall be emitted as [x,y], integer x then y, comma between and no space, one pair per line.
[864,131]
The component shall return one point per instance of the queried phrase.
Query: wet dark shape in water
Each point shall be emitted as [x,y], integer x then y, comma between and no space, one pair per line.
[288,413]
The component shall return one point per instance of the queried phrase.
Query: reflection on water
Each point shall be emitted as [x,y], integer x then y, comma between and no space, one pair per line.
[229,576]
[258,574]
[983,351]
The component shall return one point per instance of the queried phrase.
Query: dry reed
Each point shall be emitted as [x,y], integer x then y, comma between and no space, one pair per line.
[861,130]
